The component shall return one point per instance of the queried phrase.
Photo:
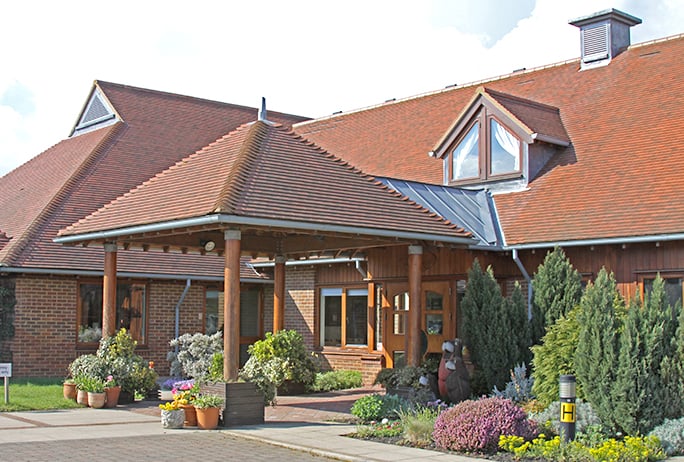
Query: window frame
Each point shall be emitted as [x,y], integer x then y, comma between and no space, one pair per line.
[345,293]
[663,275]
[484,116]
[142,342]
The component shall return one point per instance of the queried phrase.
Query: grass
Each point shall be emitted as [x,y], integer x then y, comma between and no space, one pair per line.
[33,394]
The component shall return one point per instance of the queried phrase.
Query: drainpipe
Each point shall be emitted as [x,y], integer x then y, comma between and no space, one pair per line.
[182,297]
[517,261]
[362,271]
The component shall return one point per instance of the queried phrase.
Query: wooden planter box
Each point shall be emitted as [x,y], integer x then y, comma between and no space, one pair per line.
[244,402]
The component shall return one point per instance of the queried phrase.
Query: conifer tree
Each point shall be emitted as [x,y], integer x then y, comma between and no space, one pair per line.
[600,314]
[672,369]
[515,308]
[557,289]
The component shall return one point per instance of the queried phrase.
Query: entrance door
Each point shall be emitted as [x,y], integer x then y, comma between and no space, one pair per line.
[437,321]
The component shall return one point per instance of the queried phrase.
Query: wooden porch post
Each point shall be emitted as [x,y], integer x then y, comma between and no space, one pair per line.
[413,338]
[109,291]
[279,294]
[231,305]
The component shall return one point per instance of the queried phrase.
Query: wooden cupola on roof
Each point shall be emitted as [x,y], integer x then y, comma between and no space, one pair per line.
[604,35]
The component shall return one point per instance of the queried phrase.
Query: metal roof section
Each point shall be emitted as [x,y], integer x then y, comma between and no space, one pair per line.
[471,209]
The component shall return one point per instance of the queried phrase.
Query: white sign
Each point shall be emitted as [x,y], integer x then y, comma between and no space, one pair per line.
[5,369]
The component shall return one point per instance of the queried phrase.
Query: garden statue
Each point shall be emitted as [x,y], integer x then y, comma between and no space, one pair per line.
[453,380]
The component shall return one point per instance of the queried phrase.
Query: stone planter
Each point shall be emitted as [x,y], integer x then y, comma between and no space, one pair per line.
[96,400]
[165,395]
[172,419]
[244,402]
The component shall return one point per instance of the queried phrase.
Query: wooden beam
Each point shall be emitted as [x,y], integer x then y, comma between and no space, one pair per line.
[279,294]
[231,306]
[415,314]
[109,291]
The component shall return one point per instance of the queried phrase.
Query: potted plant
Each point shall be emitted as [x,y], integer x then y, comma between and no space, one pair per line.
[172,415]
[69,389]
[81,392]
[184,393]
[166,388]
[208,408]
[95,387]
[112,390]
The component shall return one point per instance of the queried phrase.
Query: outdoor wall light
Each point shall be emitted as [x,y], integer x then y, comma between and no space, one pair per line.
[208,245]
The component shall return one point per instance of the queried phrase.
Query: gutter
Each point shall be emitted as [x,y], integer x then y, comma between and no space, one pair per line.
[605,241]
[218,219]
[320,261]
[126,274]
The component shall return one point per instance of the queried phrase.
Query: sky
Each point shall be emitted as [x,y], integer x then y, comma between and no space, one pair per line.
[306,57]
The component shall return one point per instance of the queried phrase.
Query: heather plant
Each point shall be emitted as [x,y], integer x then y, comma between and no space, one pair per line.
[193,354]
[519,389]
[671,436]
[475,426]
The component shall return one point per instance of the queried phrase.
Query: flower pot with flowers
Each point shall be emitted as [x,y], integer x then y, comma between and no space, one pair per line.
[172,415]
[95,387]
[184,393]
[113,390]
[208,408]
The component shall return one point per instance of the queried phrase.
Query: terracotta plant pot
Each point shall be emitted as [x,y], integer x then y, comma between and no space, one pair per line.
[112,396]
[69,390]
[96,400]
[208,418]
[173,419]
[190,415]
[82,397]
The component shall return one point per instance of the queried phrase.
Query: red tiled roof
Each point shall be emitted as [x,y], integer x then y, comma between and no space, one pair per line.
[81,174]
[619,177]
[267,172]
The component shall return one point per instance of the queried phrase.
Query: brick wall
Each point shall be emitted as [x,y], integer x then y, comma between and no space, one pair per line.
[44,341]
[299,303]
[369,364]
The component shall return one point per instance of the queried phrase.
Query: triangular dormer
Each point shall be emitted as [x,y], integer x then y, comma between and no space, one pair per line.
[97,113]
[500,140]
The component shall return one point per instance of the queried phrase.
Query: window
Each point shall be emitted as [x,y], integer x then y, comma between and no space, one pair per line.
[498,158]
[673,288]
[251,316]
[344,317]
[131,311]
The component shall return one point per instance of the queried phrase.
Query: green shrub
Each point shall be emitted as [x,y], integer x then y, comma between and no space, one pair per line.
[367,408]
[336,380]
[384,429]
[671,436]
[418,425]
[596,359]
[375,407]
[195,354]
[550,417]
[555,356]
[557,290]
[116,357]
[405,376]
[519,389]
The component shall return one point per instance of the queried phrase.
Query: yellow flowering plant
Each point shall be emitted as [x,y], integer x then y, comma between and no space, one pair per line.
[170,406]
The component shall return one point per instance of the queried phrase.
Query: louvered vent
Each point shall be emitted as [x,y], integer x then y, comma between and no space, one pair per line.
[595,43]
[95,111]
[604,35]
[97,114]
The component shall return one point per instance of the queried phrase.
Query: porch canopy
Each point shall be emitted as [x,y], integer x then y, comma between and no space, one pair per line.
[261,190]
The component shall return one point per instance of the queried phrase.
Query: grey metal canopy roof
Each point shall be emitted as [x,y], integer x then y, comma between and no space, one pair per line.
[472,209]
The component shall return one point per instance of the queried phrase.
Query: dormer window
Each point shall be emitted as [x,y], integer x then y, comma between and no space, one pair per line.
[498,157]
[501,140]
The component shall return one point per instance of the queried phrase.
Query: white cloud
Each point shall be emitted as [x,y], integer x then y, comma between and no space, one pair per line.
[306,57]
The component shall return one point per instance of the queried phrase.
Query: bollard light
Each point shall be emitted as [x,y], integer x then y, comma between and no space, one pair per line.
[568,414]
